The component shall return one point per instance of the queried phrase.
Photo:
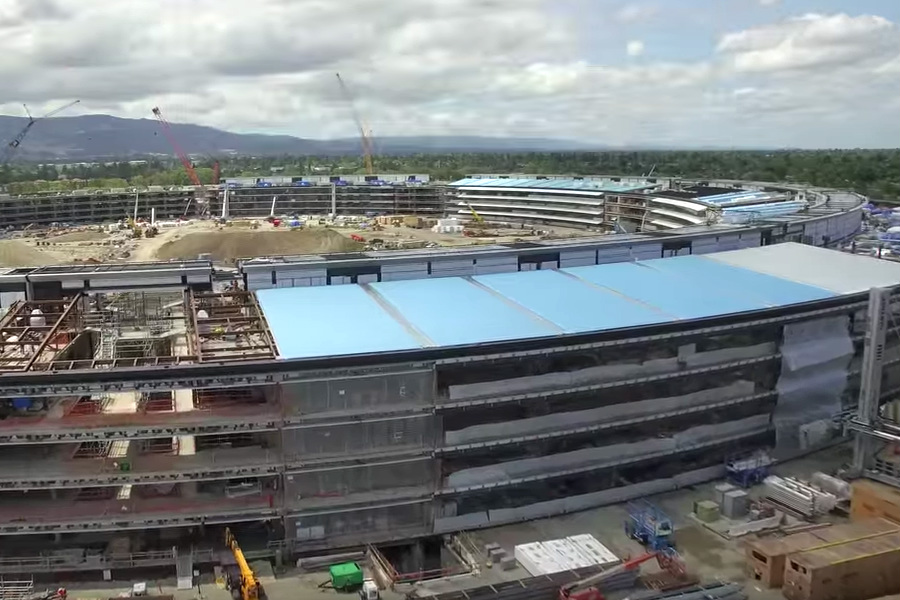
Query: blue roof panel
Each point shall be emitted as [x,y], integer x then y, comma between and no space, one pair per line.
[675,297]
[452,311]
[553,184]
[574,305]
[330,320]
[738,196]
[765,290]
[403,315]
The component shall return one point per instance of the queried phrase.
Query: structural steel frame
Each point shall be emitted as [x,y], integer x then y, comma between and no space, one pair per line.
[867,423]
[59,316]
[252,339]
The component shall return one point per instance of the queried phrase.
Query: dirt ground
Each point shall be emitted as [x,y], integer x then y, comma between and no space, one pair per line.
[237,240]
[226,245]
[14,253]
[86,235]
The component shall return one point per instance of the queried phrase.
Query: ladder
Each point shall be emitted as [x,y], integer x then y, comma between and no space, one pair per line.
[108,337]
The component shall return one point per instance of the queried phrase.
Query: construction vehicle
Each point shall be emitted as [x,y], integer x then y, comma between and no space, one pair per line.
[649,525]
[748,470]
[586,589]
[244,586]
[479,223]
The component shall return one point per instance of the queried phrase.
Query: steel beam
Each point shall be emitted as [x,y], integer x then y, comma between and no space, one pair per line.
[75,303]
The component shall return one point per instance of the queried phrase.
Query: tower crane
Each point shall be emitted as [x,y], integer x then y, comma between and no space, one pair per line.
[13,145]
[202,200]
[365,135]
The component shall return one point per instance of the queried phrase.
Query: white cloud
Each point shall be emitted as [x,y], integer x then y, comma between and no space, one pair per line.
[769,2]
[811,42]
[633,13]
[490,67]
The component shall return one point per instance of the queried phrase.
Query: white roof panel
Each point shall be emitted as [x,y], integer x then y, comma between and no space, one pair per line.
[685,204]
[836,271]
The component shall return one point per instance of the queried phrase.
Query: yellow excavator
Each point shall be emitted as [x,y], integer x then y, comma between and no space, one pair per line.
[478,231]
[246,586]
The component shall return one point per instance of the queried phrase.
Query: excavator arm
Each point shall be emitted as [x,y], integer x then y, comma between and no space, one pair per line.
[584,589]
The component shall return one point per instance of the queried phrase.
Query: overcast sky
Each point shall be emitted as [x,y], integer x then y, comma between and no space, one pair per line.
[789,73]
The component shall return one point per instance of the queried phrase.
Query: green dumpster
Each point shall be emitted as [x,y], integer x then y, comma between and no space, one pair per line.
[346,576]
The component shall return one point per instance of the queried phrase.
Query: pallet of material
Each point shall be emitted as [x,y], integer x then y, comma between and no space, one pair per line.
[567,554]
[853,571]
[535,559]
[590,547]
[871,499]
[767,557]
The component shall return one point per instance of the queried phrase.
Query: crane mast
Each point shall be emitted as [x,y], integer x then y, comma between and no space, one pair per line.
[14,144]
[365,135]
[202,201]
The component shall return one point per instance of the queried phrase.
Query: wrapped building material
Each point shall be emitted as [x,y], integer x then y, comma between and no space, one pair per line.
[798,496]
[838,487]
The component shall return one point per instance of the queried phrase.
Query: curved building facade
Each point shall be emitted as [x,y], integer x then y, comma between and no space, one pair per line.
[236,198]
[325,417]
[134,399]
[623,203]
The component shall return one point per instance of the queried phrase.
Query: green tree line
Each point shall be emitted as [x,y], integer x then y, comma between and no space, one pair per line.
[875,173]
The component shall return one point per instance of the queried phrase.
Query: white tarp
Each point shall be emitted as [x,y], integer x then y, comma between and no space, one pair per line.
[816,356]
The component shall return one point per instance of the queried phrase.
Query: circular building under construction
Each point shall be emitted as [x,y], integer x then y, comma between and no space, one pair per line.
[438,391]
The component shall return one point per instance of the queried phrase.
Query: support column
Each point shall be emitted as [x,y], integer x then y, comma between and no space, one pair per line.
[870,377]
[333,200]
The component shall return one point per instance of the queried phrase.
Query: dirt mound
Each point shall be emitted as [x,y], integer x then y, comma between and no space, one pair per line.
[14,253]
[226,245]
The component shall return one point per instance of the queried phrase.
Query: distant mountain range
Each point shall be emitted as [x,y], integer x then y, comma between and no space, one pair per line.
[93,137]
